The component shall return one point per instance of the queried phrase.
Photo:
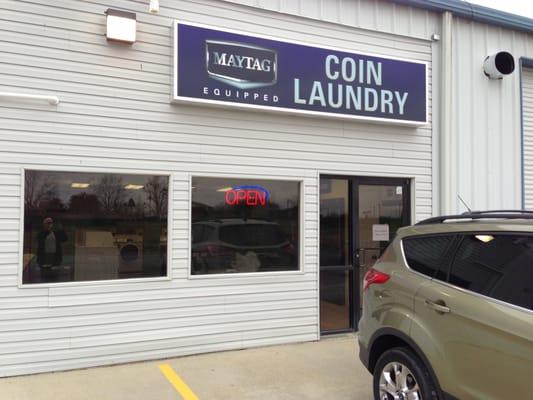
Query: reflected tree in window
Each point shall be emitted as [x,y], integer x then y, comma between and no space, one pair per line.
[37,189]
[84,201]
[82,226]
[157,190]
[110,192]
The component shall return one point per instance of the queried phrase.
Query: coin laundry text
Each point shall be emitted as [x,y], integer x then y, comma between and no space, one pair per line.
[346,95]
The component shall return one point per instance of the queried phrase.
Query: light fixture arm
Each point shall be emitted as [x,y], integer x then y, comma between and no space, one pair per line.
[54,100]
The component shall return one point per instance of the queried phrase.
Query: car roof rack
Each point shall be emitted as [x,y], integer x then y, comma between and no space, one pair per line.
[490,214]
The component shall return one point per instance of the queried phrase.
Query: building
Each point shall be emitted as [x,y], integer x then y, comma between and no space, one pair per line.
[146,213]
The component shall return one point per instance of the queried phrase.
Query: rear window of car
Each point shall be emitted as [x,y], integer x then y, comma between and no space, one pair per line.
[252,235]
[496,265]
[426,254]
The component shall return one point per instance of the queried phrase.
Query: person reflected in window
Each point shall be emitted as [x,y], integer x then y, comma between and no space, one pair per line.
[49,251]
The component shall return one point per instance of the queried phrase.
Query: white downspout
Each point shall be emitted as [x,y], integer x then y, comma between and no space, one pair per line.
[448,157]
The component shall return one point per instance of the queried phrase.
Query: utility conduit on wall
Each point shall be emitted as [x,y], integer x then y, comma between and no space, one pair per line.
[54,100]
[448,154]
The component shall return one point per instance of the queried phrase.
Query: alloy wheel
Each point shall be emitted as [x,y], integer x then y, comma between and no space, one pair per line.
[397,382]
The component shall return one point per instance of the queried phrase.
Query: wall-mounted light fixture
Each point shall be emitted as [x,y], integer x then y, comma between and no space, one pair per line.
[154,7]
[121,26]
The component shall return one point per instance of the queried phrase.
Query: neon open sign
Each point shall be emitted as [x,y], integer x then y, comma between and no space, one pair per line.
[252,195]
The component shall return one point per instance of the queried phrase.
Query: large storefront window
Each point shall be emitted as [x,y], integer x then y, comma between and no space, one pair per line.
[244,225]
[94,226]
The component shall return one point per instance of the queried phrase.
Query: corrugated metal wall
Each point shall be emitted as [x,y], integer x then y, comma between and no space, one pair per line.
[486,119]
[374,15]
[527,139]
[115,114]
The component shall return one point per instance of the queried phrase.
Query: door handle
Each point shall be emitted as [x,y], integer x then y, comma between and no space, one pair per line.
[439,306]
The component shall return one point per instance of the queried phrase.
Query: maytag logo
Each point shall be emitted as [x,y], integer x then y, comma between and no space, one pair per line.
[241,65]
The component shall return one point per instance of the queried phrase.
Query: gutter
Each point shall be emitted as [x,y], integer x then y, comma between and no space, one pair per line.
[474,12]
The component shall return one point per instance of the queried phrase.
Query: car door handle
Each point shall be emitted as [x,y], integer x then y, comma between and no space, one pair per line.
[439,306]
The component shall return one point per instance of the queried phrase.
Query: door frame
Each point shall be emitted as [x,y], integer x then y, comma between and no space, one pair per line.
[354,181]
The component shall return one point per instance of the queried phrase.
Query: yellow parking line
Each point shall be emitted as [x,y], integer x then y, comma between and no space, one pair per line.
[182,388]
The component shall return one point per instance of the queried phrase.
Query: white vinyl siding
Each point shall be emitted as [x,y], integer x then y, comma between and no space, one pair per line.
[527,139]
[115,115]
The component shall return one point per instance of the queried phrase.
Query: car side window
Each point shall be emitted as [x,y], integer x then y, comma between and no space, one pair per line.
[498,266]
[426,254]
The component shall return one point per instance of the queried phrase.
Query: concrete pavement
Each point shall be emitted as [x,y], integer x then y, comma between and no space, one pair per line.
[328,369]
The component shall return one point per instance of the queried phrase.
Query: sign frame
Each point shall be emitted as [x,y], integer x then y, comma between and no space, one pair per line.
[175,98]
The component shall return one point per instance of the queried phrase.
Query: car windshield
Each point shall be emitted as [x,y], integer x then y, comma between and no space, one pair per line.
[252,235]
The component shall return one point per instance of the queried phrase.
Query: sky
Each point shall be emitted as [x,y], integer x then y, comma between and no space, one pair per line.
[520,7]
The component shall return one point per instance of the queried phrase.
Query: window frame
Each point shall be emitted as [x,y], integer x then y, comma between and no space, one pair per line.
[238,275]
[93,170]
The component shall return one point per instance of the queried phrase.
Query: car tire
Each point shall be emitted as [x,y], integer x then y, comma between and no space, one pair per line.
[401,371]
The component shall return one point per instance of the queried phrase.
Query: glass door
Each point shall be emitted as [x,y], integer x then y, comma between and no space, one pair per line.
[336,260]
[358,217]
[382,207]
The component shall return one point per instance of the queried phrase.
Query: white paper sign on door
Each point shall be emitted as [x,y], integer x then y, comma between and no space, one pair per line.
[380,232]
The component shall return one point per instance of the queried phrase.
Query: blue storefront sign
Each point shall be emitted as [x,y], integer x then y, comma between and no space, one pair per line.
[222,67]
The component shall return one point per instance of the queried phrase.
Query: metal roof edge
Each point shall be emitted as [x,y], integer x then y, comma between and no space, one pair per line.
[474,12]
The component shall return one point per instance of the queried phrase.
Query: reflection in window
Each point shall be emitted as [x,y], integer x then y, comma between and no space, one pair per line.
[93,226]
[334,222]
[426,254]
[499,266]
[242,225]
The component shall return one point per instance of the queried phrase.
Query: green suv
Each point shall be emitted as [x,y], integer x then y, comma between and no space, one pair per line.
[448,310]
